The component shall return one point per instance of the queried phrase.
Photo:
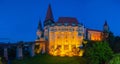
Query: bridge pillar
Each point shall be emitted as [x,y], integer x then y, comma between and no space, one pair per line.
[19,53]
[43,48]
[31,49]
[5,53]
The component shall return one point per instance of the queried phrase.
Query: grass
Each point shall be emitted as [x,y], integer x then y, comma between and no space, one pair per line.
[48,59]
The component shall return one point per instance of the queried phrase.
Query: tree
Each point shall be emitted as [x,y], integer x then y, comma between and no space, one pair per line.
[98,53]
[0,60]
[1,51]
[116,45]
[115,59]
[111,39]
[114,42]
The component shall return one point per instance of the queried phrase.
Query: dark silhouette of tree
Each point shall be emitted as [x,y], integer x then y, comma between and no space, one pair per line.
[116,45]
[111,39]
[12,52]
[114,42]
[1,51]
[0,60]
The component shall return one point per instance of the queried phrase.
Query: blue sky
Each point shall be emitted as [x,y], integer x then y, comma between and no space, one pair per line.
[19,18]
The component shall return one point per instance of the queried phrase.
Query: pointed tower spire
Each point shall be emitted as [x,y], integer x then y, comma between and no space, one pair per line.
[39,30]
[39,25]
[105,27]
[105,31]
[105,24]
[49,15]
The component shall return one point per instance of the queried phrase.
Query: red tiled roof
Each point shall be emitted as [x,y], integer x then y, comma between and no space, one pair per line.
[67,20]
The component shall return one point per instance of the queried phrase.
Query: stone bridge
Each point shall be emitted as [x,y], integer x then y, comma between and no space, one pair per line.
[19,48]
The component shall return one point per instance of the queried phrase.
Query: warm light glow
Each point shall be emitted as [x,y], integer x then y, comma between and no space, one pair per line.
[81,53]
[40,48]
[65,43]
[95,36]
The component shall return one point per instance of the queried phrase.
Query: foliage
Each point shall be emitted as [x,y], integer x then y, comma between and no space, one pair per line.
[114,42]
[1,51]
[111,39]
[12,52]
[98,53]
[3,60]
[115,59]
[48,59]
[0,60]
[116,45]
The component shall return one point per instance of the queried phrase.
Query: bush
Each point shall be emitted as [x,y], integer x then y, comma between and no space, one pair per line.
[98,53]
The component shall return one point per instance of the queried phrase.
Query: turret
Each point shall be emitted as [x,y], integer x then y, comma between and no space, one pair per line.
[106,27]
[105,31]
[39,30]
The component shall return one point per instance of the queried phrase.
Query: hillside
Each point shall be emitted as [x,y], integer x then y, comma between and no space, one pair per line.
[48,59]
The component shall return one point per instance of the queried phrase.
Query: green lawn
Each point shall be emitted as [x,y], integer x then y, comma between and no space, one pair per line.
[48,59]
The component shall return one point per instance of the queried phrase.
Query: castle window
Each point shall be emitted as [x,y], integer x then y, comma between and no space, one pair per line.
[52,24]
[79,25]
[59,46]
[59,29]
[73,29]
[76,29]
[58,37]
[73,24]
[66,29]
[55,29]
[65,24]
[80,29]
[73,37]
[59,24]
[52,29]
[62,29]
[70,29]
[66,47]
[79,34]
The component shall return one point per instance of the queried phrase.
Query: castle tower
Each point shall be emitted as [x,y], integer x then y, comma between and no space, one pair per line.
[49,17]
[39,30]
[40,40]
[48,21]
[105,31]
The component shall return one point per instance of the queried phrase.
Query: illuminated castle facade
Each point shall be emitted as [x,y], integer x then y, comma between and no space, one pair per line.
[65,36]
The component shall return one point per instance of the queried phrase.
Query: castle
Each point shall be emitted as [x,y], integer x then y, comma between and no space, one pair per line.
[65,37]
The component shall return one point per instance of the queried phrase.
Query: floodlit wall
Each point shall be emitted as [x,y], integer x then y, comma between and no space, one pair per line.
[65,40]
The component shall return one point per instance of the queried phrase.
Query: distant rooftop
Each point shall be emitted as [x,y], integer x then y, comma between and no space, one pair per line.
[88,29]
[67,20]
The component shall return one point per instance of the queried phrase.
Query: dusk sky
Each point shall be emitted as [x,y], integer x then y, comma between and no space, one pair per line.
[19,18]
